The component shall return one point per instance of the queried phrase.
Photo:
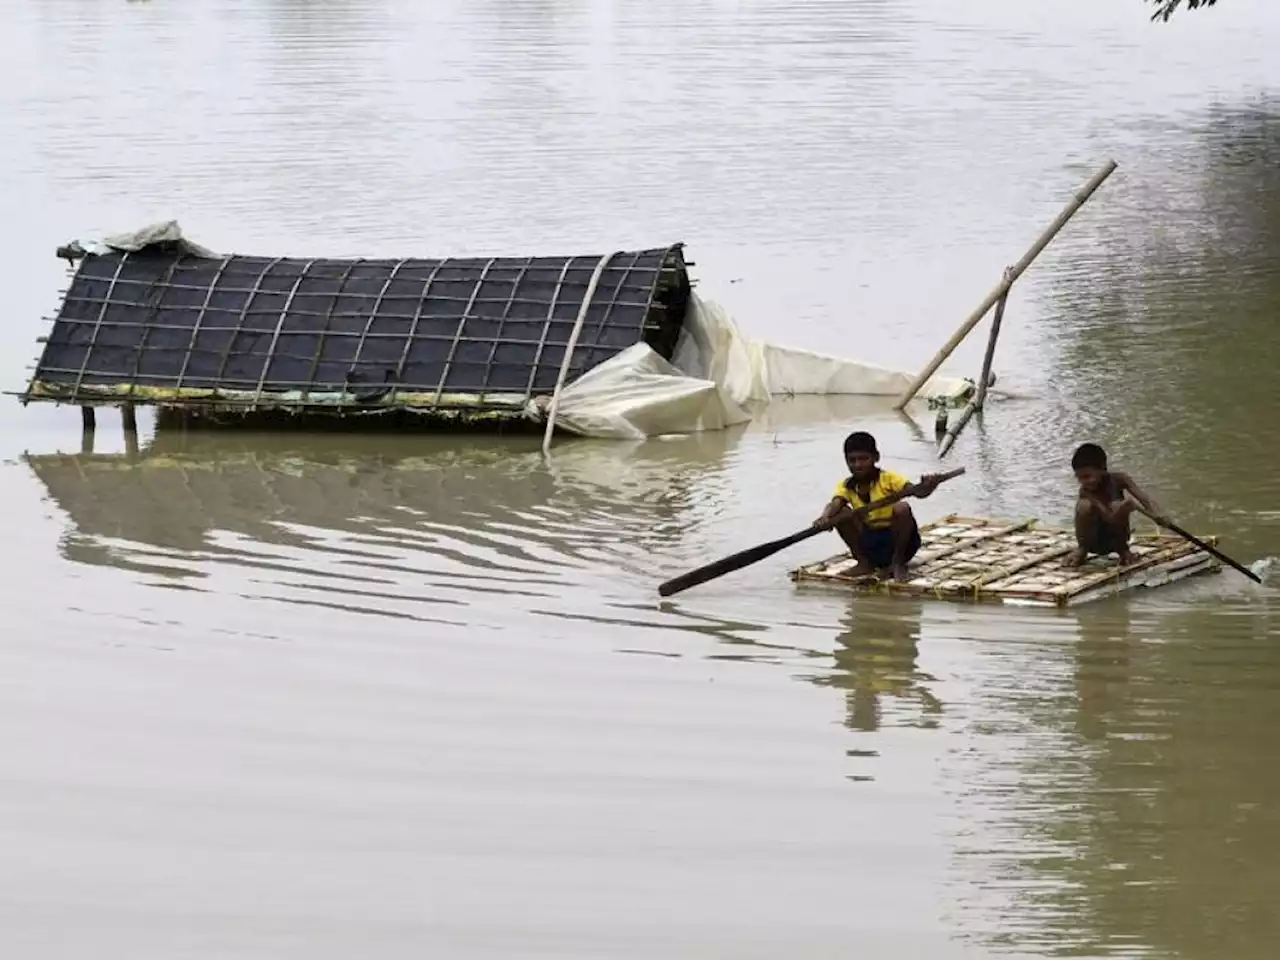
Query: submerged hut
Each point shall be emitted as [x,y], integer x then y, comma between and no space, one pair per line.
[152,319]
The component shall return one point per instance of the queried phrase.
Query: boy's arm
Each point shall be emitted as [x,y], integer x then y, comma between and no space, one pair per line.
[923,487]
[1128,485]
[1110,513]
[834,506]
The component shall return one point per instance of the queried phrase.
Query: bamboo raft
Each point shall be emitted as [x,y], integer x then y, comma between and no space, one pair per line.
[974,558]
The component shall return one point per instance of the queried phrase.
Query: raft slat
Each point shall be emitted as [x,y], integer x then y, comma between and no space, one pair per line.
[969,537]
[979,559]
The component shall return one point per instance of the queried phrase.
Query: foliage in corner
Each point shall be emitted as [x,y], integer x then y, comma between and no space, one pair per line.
[1166,8]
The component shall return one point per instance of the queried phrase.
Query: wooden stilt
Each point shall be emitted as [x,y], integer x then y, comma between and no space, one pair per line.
[88,418]
[129,416]
[984,381]
[948,438]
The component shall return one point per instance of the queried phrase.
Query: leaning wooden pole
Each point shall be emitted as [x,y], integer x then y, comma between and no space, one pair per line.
[980,395]
[1014,272]
[984,383]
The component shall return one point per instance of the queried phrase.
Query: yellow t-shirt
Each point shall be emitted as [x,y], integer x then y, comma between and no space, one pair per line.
[885,485]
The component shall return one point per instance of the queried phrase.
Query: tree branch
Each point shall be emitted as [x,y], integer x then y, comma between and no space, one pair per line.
[1165,8]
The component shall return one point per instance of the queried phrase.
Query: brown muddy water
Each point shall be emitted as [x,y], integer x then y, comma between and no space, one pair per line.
[267,697]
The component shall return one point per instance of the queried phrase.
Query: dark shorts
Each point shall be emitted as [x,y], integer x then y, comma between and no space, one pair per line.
[1104,539]
[877,544]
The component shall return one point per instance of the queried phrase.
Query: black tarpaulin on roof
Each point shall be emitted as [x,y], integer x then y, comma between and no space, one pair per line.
[277,332]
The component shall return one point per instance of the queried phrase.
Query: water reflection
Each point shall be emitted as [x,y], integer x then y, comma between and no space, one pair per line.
[875,665]
[1105,651]
[384,517]
[1183,782]
[1122,788]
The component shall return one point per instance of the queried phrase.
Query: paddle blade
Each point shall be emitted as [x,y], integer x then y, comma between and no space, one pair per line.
[729,564]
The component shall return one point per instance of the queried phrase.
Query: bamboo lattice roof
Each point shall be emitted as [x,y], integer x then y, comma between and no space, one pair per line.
[161,325]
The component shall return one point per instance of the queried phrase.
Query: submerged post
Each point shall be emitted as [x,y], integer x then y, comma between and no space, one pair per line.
[88,419]
[980,395]
[948,440]
[984,382]
[129,417]
[569,348]
[1077,201]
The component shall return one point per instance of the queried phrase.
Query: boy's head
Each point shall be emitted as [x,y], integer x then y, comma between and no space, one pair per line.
[1090,465]
[861,455]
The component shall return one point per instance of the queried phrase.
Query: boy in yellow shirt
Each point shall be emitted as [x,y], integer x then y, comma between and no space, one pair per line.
[886,537]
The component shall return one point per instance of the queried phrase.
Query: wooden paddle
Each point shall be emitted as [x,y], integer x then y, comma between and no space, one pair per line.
[1174,528]
[747,557]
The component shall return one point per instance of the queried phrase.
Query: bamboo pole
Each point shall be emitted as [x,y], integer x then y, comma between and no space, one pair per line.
[984,382]
[949,438]
[569,348]
[1014,272]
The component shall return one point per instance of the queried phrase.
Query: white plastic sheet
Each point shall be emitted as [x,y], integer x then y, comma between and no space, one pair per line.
[637,394]
[166,231]
[717,378]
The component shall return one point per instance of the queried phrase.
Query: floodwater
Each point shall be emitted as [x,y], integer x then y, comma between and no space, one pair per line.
[268,697]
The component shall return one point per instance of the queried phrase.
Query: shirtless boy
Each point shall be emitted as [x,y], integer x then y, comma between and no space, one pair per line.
[1102,509]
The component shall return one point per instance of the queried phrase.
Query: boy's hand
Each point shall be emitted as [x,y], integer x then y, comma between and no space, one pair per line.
[928,482]
[1157,515]
[826,522]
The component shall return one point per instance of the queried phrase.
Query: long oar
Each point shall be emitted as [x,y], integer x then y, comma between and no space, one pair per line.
[747,557]
[1174,528]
